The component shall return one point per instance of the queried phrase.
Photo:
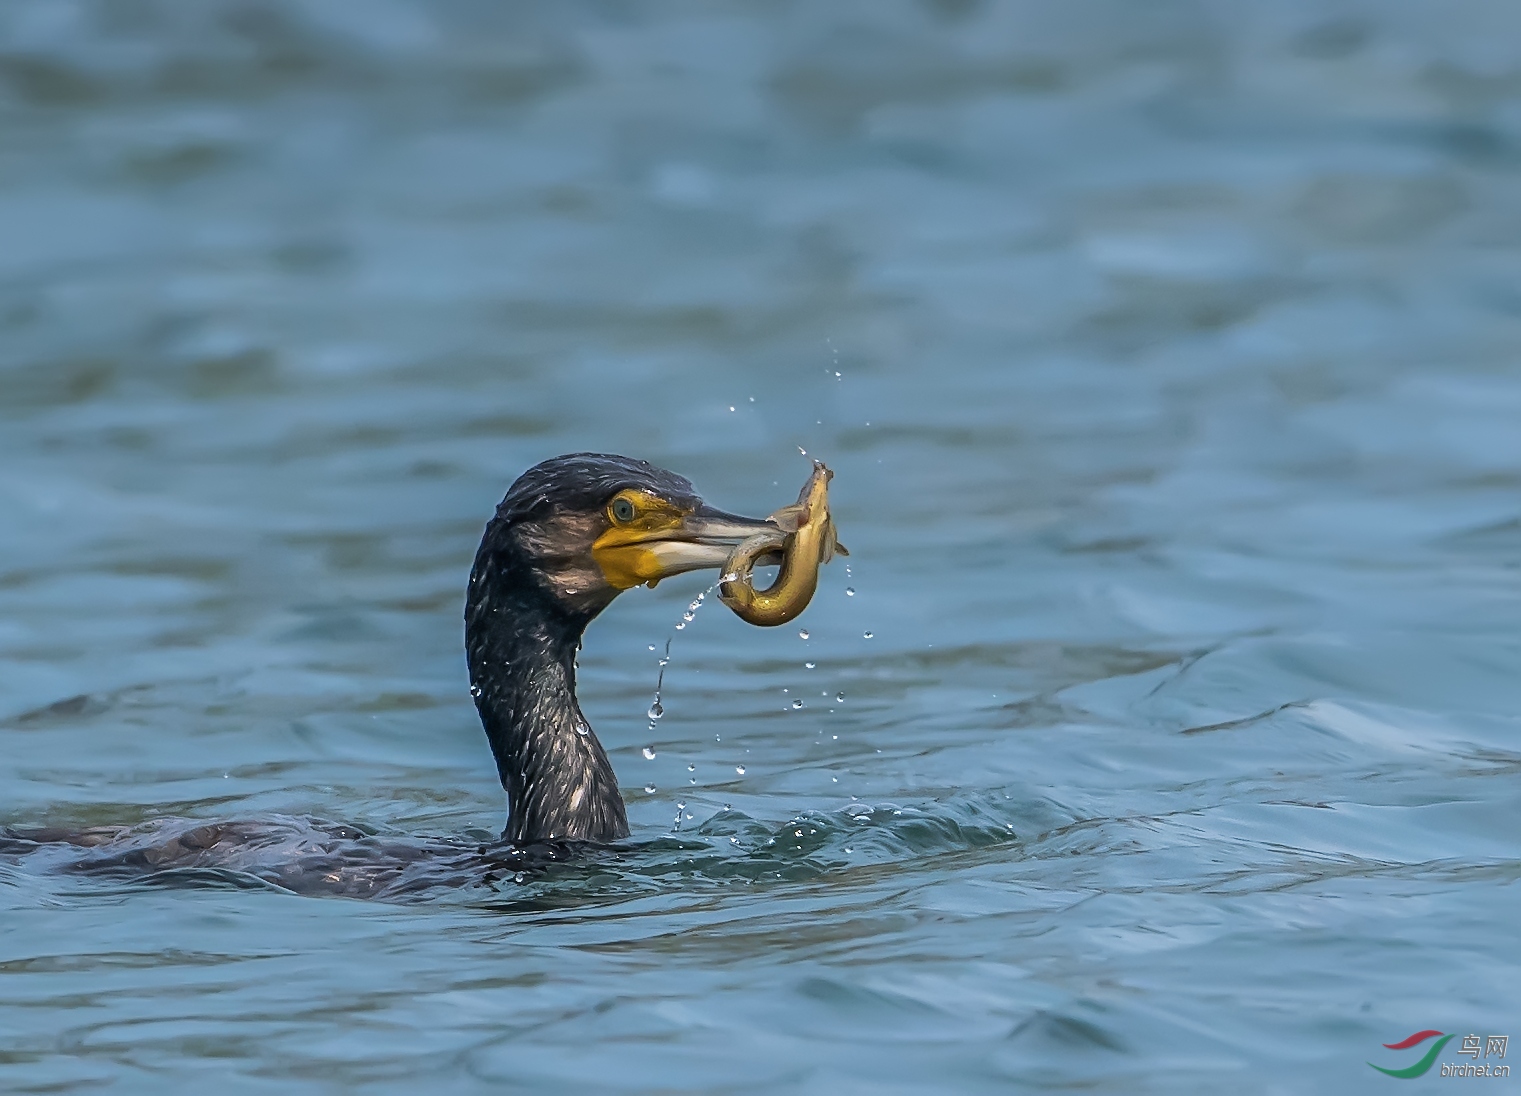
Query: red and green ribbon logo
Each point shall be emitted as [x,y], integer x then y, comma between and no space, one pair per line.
[1426,1062]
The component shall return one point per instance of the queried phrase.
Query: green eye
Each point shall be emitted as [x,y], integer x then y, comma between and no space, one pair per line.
[623,510]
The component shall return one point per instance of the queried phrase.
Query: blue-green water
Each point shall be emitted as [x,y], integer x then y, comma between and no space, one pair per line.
[1169,357]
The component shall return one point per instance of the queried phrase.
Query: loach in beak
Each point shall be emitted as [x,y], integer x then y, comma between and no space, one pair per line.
[804,537]
[650,538]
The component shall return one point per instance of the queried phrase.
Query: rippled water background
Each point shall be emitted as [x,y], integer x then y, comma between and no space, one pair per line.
[1169,356]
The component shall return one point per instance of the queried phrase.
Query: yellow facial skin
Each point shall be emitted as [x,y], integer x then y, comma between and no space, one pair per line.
[637,546]
[805,536]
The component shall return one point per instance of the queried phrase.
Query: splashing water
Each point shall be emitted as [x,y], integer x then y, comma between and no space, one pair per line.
[688,615]
[657,708]
[691,612]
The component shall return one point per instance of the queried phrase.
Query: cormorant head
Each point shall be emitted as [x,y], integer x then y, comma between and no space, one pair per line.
[591,525]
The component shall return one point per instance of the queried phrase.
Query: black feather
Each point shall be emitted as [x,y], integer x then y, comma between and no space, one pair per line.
[521,641]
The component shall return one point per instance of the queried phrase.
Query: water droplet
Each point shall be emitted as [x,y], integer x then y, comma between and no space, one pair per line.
[686,617]
[681,625]
[649,753]
[666,661]
[691,780]
[835,779]
[652,646]
[803,634]
[865,635]
[691,768]
[850,591]
[656,710]
[731,407]
[797,703]
[752,399]
[582,729]
[801,450]
[808,665]
[839,698]
[837,374]
[475,690]
[649,789]
[740,769]
[519,877]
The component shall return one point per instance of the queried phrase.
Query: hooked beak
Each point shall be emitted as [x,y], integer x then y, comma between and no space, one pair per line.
[697,541]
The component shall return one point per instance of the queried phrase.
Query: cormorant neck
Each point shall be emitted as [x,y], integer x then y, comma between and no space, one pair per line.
[521,645]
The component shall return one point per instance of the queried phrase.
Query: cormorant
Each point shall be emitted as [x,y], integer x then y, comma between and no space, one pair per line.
[571,535]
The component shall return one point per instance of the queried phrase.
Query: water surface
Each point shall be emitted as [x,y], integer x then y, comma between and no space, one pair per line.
[1167,355]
